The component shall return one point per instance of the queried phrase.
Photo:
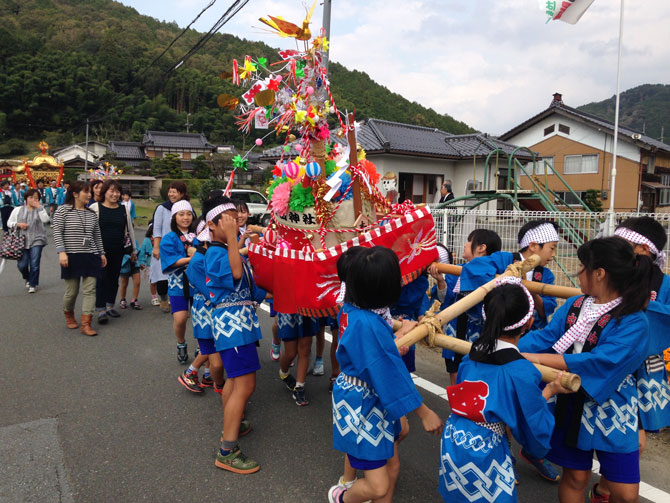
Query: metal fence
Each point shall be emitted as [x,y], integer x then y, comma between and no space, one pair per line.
[454,224]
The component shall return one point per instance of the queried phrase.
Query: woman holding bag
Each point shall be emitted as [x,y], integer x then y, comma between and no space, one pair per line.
[118,238]
[30,219]
[80,253]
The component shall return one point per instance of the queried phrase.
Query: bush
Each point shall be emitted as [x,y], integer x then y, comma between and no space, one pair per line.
[592,200]
[193,187]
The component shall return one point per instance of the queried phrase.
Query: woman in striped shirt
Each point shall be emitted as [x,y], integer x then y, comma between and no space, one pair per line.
[80,253]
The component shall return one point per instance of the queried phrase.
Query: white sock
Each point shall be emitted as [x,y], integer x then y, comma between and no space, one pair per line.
[299,384]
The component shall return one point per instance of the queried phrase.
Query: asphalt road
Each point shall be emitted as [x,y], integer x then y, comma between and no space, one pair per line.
[103,418]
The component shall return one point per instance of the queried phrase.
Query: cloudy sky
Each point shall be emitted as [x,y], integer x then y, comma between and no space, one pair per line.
[489,63]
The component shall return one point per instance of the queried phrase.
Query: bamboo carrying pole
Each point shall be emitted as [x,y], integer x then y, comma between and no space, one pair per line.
[421,331]
[563,292]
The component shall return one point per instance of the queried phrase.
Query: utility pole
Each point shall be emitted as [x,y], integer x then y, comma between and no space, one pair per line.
[86,157]
[326,27]
[188,124]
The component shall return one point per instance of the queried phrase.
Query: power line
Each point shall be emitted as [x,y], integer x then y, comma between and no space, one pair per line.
[227,16]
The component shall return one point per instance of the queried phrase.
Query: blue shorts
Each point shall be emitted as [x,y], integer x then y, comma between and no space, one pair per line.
[623,468]
[241,360]
[179,303]
[295,326]
[207,346]
[364,464]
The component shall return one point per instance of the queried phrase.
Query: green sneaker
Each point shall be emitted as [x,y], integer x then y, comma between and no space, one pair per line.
[245,427]
[236,462]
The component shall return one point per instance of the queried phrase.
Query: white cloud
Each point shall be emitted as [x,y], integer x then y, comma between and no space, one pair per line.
[491,64]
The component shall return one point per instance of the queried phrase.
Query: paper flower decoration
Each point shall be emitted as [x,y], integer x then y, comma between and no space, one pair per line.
[301,198]
[275,183]
[346,181]
[313,169]
[280,198]
[371,170]
[240,162]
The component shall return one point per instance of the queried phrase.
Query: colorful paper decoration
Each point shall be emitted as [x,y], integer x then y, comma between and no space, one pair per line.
[291,170]
[313,169]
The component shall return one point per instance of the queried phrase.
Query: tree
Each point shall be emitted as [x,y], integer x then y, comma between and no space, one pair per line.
[592,200]
[170,164]
[201,168]
[220,164]
[209,186]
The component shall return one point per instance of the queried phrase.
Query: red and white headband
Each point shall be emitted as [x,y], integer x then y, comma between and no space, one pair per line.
[205,235]
[543,233]
[639,239]
[200,232]
[511,280]
[181,205]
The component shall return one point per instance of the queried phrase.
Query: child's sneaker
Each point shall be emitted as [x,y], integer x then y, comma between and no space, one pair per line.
[182,353]
[155,301]
[275,353]
[289,381]
[346,485]
[190,381]
[318,367]
[594,497]
[135,305]
[236,462]
[299,396]
[336,493]
[543,467]
[218,389]
[123,304]
[206,382]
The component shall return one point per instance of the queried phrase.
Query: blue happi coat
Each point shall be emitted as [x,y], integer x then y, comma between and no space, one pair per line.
[652,387]
[201,308]
[234,319]
[173,248]
[475,459]
[610,415]
[366,417]
[412,303]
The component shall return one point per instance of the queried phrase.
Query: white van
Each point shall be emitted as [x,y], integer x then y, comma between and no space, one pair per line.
[257,203]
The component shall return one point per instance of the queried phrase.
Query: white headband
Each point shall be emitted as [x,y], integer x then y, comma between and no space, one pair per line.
[182,205]
[200,227]
[444,255]
[639,239]
[205,235]
[511,280]
[544,233]
[214,212]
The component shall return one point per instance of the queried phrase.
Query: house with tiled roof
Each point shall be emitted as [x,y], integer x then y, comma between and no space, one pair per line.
[187,146]
[422,158]
[579,147]
[131,153]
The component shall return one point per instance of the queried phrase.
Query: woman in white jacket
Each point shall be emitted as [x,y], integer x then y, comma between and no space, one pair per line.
[30,219]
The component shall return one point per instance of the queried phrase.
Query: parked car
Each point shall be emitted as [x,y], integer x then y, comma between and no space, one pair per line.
[257,203]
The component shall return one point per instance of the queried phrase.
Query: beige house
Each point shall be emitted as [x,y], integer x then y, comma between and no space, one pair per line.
[579,147]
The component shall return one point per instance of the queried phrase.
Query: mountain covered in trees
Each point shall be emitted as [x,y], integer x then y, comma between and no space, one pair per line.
[644,108]
[63,61]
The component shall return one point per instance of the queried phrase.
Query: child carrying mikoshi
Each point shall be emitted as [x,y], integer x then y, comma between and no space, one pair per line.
[602,336]
[480,243]
[496,387]
[647,237]
[374,388]
[201,318]
[176,249]
[235,327]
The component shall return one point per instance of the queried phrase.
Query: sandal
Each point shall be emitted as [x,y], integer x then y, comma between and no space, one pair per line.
[123,304]
[135,305]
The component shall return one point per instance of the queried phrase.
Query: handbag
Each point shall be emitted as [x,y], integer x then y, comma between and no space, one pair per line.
[12,245]
[127,245]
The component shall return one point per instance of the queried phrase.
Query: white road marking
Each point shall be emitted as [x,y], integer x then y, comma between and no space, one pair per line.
[646,491]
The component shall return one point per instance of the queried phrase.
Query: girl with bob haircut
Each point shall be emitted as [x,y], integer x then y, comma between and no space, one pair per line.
[496,387]
[374,386]
[176,249]
[603,336]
